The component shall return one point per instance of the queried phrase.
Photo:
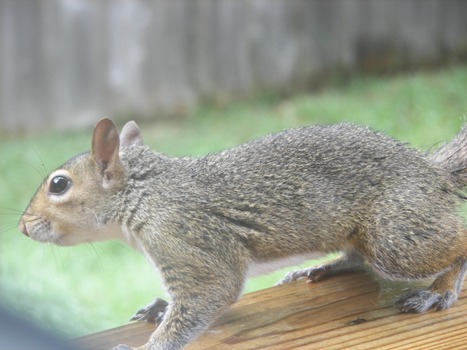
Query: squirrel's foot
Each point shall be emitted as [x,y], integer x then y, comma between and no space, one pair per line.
[153,313]
[122,347]
[127,347]
[421,300]
[313,274]
[442,293]
[347,262]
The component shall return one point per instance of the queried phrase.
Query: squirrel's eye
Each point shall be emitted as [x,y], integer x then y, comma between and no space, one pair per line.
[59,185]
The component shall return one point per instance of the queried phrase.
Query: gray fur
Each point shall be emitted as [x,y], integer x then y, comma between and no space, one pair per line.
[205,222]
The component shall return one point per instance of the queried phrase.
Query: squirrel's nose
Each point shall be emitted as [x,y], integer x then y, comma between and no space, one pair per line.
[23,228]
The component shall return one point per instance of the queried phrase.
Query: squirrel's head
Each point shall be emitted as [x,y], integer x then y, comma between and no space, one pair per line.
[67,208]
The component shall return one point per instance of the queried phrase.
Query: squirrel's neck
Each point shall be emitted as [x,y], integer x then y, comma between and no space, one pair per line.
[149,191]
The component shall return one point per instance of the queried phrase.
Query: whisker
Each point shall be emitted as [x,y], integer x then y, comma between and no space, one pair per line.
[44,171]
[124,246]
[8,227]
[34,219]
[14,224]
[92,249]
[11,211]
[38,171]
[57,265]
[10,214]
[92,212]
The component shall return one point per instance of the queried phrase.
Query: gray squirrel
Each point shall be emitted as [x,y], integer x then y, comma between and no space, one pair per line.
[208,223]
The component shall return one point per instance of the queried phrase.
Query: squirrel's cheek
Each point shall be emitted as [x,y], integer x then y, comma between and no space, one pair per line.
[66,234]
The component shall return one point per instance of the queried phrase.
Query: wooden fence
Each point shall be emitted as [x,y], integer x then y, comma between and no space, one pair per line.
[66,63]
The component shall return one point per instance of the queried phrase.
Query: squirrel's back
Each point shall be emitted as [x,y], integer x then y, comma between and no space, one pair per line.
[318,180]
[355,162]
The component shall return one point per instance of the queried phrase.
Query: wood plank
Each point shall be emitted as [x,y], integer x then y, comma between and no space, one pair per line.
[352,311]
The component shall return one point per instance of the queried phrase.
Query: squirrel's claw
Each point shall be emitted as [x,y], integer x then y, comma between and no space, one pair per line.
[122,347]
[421,300]
[349,261]
[153,313]
[313,274]
[127,347]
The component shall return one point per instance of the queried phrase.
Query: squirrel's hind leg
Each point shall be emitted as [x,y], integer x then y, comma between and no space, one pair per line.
[349,261]
[442,293]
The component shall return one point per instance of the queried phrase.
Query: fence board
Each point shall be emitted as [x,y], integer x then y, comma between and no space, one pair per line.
[66,63]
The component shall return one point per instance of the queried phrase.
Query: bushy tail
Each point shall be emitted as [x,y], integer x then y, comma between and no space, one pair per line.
[453,157]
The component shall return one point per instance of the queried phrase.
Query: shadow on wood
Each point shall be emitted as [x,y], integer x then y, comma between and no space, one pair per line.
[345,312]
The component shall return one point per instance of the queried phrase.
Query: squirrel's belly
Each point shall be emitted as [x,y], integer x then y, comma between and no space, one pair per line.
[262,267]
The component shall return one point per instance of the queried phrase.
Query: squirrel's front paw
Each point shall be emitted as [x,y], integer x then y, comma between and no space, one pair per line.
[313,274]
[122,347]
[421,300]
[151,313]
[127,347]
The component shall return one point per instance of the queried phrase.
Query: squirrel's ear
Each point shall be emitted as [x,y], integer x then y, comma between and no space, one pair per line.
[131,135]
[105,147]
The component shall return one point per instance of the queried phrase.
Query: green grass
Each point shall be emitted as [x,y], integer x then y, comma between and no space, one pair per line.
[84,289]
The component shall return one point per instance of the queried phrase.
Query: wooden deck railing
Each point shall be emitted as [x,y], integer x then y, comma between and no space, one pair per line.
[353,311]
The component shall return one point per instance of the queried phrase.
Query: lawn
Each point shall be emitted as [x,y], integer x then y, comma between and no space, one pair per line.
[79,290]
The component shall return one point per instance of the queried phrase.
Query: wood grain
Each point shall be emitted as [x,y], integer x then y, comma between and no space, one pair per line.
[352,311]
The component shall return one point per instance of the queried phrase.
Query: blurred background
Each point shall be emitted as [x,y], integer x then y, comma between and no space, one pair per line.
[199,76]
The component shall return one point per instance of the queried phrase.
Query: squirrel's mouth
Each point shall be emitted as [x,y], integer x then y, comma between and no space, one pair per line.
[40,229]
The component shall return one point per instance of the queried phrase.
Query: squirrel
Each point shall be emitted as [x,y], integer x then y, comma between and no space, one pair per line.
[207,223]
